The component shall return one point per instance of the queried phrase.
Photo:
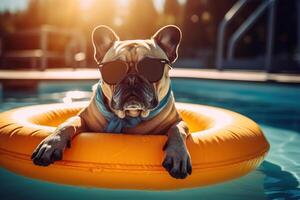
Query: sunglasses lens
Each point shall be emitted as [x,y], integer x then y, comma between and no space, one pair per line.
[151,69]
[113,72]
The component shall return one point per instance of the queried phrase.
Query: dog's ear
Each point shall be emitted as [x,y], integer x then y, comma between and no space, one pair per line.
[103,38]
[168,38]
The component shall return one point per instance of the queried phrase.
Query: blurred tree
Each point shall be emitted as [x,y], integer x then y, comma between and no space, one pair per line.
[6,23]
[201,22]
[171,7]
[172,12]
[59,13]
[101,12]
[198,23]
[51,12]
[141,21]
[198,19]
[31,17]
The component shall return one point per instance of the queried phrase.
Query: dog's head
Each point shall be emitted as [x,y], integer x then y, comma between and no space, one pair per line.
[131,69]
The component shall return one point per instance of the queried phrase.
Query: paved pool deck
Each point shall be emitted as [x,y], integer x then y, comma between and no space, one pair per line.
[67,74]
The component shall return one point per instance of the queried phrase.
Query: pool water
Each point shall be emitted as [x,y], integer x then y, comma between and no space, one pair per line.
[276,107]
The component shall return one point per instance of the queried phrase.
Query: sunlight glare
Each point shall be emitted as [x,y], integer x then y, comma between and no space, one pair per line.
[75,94]
[123,3]
[86,4]
[118,21]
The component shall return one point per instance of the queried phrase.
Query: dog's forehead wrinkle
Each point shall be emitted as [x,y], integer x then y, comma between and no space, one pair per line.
[132,43]
[134,50]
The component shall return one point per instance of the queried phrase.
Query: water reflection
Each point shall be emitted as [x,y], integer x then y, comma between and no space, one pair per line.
[278,183]
[270,181]
[277,107]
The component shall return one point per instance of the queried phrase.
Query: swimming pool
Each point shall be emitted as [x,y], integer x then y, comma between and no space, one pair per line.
[275,107]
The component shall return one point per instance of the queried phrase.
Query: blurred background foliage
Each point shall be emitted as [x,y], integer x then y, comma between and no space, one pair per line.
[139,19]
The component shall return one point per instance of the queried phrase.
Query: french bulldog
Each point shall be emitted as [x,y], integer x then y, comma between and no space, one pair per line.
[134,96]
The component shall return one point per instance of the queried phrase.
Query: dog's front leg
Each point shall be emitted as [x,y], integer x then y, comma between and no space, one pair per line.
[177,159]
[52,147]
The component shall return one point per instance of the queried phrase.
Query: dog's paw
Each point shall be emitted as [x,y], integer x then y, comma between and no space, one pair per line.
[177,162]
[49,150]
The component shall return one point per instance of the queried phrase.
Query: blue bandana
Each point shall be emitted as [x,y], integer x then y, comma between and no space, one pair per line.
[116,124]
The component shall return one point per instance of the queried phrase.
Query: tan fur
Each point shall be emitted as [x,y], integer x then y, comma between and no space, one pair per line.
[96,122]
[108,47]
[133,51]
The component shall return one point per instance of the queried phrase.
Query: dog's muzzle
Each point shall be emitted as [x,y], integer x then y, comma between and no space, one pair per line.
[134,95]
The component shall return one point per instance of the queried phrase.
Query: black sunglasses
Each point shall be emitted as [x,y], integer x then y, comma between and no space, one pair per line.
[150,68]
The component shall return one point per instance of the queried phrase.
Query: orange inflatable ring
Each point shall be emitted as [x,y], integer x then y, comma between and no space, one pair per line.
[223,145]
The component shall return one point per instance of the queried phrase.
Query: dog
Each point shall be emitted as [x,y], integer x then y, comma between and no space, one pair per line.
[134,96]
